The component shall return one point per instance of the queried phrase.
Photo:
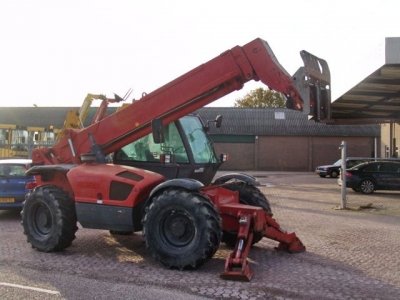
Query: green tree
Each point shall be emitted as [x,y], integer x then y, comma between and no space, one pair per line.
[261,98]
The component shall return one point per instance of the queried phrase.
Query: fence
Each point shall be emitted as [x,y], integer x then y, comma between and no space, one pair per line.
[20,150]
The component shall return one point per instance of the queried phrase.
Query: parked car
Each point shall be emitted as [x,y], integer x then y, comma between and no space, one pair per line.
[370,176]
[334,169]
[13,182]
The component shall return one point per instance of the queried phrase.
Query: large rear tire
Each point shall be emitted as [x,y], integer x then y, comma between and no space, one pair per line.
[182,229]
[49,219]
[249,195]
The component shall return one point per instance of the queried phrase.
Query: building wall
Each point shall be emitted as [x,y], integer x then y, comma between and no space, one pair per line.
[326,149]
[240,155]
[291,153]
[282,153]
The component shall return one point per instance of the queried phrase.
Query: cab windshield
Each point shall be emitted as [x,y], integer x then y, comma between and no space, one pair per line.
[198,140]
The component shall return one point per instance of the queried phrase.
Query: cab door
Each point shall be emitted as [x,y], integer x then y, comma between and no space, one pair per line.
[166,158]
[185,152]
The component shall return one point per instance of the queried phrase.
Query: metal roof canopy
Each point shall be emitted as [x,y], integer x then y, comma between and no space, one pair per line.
[376,99]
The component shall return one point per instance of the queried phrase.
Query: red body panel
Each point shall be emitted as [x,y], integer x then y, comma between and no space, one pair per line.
[92,183]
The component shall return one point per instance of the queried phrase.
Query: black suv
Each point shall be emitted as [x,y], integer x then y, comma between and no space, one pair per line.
[334,169]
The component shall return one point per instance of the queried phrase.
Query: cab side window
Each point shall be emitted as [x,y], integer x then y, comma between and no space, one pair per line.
[146,150]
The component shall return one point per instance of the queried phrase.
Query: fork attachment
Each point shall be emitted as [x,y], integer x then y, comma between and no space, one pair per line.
[236,265]
[287,241]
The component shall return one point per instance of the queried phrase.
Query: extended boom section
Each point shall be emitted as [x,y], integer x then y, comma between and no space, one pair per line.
[208,82]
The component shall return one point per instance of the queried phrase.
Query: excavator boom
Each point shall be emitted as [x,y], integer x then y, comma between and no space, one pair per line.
[206,83]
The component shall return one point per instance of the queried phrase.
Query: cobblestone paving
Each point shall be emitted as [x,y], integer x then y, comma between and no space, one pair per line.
[351,254]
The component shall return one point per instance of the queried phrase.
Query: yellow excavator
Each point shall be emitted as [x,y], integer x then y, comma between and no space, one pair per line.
[17,141]
[75,119]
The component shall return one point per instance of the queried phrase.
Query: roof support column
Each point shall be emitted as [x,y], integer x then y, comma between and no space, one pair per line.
[256,151]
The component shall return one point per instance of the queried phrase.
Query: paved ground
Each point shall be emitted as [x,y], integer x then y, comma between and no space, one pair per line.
[351,254]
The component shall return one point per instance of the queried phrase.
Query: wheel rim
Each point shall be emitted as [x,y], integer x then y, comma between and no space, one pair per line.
[177,228]
[367,186]
[42,220]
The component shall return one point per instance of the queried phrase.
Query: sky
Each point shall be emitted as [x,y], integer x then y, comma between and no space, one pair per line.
[55,52]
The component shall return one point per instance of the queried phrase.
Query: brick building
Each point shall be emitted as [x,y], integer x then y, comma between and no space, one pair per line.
[284,140]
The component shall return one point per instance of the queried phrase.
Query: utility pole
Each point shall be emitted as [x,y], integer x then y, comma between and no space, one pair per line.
[343,147]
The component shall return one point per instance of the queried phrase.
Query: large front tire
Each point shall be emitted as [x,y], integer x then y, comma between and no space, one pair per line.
[182,229]
[49,219]
[251,195]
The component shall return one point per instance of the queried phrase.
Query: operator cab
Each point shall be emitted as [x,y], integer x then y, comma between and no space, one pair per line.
[186,151]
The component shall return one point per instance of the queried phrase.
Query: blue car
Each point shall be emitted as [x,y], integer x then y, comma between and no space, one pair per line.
[13,182]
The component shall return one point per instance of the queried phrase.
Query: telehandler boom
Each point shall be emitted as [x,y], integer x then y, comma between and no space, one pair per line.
[183,221]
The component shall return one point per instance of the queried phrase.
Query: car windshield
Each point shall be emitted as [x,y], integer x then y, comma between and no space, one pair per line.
[338,163]
[359,165]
